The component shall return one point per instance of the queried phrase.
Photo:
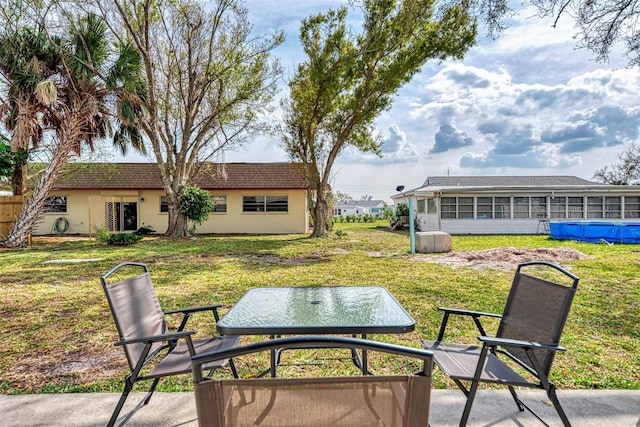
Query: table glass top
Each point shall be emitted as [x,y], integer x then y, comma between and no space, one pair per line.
[358,309]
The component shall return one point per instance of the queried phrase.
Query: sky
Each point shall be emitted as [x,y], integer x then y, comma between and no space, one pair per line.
[527,103]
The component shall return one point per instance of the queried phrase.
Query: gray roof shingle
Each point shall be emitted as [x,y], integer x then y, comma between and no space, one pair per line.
[502,181]
[147,176]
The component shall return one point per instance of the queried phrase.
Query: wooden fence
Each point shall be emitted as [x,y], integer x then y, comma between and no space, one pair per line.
[10,207]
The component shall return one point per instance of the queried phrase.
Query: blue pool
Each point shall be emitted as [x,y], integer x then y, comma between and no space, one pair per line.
[596,231]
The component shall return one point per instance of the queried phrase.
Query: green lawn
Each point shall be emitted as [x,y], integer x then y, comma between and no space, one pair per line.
[58,333]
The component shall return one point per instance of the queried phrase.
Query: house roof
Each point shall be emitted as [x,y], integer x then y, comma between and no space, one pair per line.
[360,203]
[213,176]
[504,181]
[509,184]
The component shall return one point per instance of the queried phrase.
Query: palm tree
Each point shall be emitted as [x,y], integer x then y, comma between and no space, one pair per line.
[27,61]
[86,105]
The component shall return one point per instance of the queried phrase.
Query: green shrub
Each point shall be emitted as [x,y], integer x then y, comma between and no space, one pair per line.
[402,209]
[196,204]
[368,218]
[145,230]
[124,239]
[340,233]
[104,236]
[329,225]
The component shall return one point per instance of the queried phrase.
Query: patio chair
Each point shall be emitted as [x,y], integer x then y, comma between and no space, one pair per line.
[152,351]
[527,338]
[364,400]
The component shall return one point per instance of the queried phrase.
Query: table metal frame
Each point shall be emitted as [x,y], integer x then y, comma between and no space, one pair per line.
[275,312]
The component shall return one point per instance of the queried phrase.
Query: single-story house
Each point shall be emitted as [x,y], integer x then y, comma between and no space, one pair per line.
[516,204]
[250,198]
[359,207]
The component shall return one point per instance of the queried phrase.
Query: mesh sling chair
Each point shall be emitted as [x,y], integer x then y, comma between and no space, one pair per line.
[366,400]
[153,352]
[528,335]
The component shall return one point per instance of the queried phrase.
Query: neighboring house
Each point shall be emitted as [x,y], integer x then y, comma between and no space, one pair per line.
[251,198]
[358,207]
[517,204]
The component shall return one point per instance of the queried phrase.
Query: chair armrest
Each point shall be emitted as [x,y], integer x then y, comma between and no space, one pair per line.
[158,338]
[476,315]
[187,312]
[194,309]
[463,312]
[519,343]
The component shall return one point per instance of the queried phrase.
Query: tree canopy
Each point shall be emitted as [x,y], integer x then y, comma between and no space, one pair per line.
[66,85]
[600,24]
[351,76]
[208,81]
[626,172]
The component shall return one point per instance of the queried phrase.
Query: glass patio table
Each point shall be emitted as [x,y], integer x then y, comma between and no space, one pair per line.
[319,310]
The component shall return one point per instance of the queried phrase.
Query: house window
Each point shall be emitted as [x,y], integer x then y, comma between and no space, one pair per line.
[448,207]
[465,207]
[595,207]
[632,207]
[575,207]
[529,207]
[493,207]
[558,207]
[265,204]
[502,207]
[485,207]
[457,207]
[55,204]
[220,203]
[432,206]
[538,207]
[164,206]
[521,207]
[612,207]
[421,204]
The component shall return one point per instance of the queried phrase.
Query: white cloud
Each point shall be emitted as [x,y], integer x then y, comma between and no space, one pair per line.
[527,103]
[394,149]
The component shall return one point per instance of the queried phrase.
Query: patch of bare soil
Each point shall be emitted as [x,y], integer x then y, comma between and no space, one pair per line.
[502,258]
[81,367]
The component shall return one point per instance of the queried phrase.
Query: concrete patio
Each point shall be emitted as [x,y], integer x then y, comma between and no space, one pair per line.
[585,408]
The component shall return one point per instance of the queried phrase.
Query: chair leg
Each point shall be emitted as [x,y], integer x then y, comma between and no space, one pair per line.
[551,392]
[151,390]
[234,371]
[467,407]
[474,385]
[516,398]
[123,398]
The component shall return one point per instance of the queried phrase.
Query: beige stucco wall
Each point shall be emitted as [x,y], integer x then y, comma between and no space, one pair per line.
[80,215]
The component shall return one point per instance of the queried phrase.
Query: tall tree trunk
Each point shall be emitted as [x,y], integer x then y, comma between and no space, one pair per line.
[178,223]
[19,180]
[19,234]
[320,214]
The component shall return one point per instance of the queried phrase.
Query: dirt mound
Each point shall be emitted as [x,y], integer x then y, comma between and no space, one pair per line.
[502,258]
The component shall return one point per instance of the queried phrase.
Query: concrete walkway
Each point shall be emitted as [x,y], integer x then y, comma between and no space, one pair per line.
[585,408]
